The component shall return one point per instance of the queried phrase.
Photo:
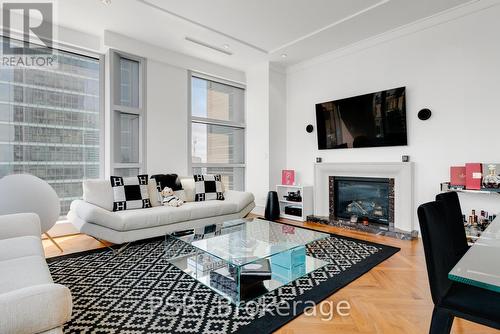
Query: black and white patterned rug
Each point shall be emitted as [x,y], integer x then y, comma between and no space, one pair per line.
[138,291]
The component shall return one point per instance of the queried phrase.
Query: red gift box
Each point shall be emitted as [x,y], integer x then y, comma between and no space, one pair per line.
[473,176]
[288,177]
[457,175]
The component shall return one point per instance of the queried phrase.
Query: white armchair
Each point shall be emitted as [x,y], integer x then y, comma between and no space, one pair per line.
[30,302]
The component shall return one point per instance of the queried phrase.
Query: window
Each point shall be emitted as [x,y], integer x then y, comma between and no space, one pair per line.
[218,130]
[50,123]
[128,115]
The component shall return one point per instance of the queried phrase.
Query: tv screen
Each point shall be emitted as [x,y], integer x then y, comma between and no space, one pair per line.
[371,120]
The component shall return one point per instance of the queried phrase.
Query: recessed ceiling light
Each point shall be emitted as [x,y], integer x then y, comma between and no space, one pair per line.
[226,46]
[284,55]
[106,2]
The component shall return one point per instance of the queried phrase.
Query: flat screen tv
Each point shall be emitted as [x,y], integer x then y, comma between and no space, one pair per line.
[370,120]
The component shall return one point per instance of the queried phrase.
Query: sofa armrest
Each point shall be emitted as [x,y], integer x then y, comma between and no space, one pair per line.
[241,198]
[35,309]
[20,224]
[91,213]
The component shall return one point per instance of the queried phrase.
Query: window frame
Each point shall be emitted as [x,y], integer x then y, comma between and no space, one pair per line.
[115,107]
[210,121]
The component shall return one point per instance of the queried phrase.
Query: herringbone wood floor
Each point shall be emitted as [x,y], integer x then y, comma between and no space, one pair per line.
[393,297]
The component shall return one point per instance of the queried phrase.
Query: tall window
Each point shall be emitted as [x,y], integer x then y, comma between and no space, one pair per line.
[218,130]
[128,115]
[50,123]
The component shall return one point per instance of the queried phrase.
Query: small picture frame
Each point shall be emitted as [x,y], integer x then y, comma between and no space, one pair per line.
[288,177]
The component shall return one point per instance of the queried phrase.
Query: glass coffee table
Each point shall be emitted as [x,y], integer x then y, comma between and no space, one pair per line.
[245,258]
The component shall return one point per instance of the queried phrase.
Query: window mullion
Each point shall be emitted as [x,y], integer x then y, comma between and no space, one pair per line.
[212,121]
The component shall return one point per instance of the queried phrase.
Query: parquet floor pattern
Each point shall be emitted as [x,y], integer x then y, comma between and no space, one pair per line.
[393,297]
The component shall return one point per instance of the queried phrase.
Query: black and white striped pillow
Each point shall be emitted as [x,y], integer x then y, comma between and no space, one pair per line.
[208,187]
[130,192]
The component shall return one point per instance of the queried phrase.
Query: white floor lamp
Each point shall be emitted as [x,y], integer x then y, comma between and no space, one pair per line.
[21,193]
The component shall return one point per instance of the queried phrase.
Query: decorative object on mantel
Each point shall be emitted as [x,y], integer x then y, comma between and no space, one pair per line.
[473,175]
[457,176]
[288,177]
[491,179]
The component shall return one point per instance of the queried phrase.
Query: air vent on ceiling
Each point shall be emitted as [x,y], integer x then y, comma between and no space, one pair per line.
[213,47]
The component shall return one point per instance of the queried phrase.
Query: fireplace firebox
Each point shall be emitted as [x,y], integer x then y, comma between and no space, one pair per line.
[364,198]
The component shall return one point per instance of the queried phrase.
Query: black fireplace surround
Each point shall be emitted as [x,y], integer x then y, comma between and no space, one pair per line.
[365,198]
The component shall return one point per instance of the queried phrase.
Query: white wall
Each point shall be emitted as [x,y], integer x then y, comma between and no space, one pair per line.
[277,125]
[452,68]
[257,139]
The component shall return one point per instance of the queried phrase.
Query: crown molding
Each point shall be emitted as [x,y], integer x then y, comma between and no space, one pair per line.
[446,16]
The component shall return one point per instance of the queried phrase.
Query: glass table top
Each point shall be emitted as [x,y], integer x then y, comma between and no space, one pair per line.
[244,258]
[480,266]
[242,241]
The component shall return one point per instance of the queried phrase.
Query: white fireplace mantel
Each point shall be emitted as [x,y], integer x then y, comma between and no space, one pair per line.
[401,172]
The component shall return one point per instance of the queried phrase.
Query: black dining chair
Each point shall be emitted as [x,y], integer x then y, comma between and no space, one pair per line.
[451,299]
[453,212]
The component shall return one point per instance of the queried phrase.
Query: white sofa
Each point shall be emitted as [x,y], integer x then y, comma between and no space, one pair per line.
[30,302]
[94,216]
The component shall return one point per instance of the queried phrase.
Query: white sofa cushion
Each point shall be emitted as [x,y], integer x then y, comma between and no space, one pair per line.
[19,224]
[130,219]
[98,192]
[35,309]
[20,247]
[188,186]
[29,300]
[210,209]
[22,272]
[240,198]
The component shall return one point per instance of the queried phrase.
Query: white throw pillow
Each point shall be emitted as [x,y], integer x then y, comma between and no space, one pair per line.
[98,192]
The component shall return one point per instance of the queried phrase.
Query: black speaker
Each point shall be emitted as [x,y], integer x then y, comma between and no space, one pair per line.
[424,114]
[272,211]
[309,128]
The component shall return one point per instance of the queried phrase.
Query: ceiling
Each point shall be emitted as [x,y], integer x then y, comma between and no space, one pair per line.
[251,30]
